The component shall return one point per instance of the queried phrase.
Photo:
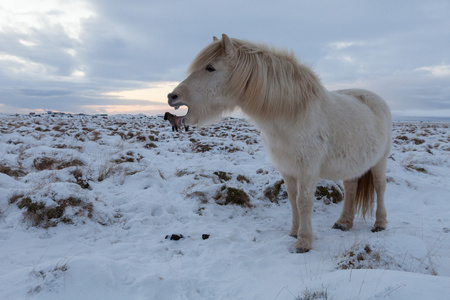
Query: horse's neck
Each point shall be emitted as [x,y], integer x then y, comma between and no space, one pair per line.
[273,127]
[298,129]
[277,130]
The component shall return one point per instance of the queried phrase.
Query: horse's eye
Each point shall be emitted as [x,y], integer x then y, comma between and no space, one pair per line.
[210,68]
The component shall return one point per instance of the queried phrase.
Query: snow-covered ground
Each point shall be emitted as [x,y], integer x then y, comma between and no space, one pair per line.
[91,208]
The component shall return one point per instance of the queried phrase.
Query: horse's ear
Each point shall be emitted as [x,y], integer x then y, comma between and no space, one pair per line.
[215,39]
[227,45]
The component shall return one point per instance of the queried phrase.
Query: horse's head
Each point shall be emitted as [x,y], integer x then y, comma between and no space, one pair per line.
[205,90]
[166,115]
[266,83]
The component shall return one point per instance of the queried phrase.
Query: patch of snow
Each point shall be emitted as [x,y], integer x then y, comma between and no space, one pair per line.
[140,182]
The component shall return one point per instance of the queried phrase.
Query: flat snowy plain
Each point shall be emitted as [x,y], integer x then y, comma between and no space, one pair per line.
[91,208]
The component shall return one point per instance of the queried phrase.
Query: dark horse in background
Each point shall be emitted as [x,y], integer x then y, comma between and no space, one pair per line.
[175,121]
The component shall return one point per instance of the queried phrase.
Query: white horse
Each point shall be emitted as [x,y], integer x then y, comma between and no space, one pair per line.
[309,132]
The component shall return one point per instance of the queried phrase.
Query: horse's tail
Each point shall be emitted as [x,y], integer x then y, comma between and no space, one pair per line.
[365,194]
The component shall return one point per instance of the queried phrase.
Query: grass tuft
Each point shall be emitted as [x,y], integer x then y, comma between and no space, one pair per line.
[242,178]
[329,193]
[273,192]
[48,163]
[201,147]
[201,196]
[12,172]
[416,168]
[223,176]
[80,179]
[229,195]
[44,216]
[150,146]
[314,295]
[361,256]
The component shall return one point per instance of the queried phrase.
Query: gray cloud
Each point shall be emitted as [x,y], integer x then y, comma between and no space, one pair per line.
[45,92]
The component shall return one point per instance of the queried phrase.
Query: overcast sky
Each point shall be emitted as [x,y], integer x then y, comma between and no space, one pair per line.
[112,56]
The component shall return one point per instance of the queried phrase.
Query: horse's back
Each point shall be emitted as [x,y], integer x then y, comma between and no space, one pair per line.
[365,107]
[377,104]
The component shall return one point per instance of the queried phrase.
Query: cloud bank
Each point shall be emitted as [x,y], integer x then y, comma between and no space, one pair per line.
[95,56]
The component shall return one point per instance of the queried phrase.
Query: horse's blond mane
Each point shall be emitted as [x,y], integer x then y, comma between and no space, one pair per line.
[267,82]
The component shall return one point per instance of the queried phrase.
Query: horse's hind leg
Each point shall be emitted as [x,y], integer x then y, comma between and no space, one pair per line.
[345,221]
[379,181]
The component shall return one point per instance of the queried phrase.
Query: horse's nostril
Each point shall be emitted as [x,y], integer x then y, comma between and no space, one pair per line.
[172,96]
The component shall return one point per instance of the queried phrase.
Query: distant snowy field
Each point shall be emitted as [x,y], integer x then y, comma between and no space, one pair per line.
[91,208]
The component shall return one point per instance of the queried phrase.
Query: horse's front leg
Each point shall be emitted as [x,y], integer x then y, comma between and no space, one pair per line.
[291,187]
[305,201]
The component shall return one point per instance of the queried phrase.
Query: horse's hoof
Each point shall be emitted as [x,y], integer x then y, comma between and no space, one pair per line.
[339,226]
[293,235]
[378,228]
[302,250]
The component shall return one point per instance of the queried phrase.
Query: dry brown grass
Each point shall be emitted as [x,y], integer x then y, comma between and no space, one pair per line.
[243,179]
[201,196]
[329,194]
[105,170]
[201,147]
[313,295]
[223,176]
[361,256]
[416,168]
[80,179]
[272,192]
[49,163]
[11,171]
[43,216]
[229,195]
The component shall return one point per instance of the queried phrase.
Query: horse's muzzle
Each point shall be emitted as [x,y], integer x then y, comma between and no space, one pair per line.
[173,100]
[172,97]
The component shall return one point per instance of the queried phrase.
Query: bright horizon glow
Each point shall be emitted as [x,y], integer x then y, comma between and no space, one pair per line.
[150,109]
[156,92]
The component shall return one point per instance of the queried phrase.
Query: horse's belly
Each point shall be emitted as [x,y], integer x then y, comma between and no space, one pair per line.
[350,165]
[343,171]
